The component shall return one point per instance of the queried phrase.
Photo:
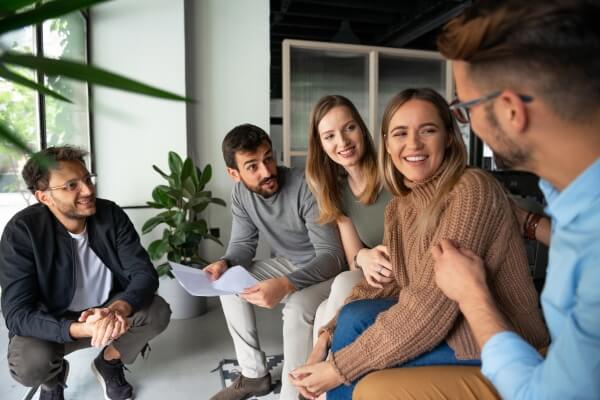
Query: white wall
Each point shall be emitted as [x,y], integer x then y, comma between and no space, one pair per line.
[228,61]
[145,41]
[221,48]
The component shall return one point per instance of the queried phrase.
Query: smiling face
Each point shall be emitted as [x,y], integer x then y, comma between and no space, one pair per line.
[70,207]
[341,137]
[416,140]
[257,170]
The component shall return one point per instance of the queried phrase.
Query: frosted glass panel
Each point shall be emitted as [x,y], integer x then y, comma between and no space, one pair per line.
[398,73]
[298,161]
[316,73]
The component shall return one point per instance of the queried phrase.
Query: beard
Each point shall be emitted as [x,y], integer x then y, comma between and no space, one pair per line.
[507,154]
[266,193]
[70,210]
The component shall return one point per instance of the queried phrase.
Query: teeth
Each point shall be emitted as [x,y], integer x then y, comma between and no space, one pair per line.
[345,152]
[415,158]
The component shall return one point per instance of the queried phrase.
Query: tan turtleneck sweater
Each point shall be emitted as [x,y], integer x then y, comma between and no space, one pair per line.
[477,215]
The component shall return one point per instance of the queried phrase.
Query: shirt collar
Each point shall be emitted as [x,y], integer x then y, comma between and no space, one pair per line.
[577,197]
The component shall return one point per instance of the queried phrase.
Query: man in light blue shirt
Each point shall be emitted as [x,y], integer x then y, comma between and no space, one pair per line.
[527,80]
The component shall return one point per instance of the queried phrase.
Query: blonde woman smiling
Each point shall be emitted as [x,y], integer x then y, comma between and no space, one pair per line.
[409,321]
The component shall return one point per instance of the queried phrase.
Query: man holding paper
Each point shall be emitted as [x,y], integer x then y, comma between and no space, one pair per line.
[277,203]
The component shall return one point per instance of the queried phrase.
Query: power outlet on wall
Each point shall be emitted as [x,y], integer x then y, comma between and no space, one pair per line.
[216,232]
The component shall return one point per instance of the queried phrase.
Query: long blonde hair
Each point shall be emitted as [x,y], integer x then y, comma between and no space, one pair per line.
[324,176]
[455,157]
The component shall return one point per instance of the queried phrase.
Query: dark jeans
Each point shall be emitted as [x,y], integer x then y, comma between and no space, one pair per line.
[34,361]
[356,317]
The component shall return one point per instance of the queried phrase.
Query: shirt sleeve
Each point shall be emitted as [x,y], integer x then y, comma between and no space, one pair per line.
[20,296]
[572,366]
[143,279]
[244,234]
[329,256]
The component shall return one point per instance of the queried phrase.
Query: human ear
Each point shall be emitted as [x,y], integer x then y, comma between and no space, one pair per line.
[512,112]
[42,197]
[233,174]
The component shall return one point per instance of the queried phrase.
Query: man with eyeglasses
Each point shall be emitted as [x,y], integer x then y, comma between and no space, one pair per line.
[527,79]
[74,274]
[528,74]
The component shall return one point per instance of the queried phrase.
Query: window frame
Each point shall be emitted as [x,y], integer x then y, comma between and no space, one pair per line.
[41,98]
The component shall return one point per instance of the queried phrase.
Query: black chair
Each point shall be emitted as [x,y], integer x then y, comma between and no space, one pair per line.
[524,190]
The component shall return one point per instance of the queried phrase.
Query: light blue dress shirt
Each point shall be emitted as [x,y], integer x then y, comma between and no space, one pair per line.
[570,302]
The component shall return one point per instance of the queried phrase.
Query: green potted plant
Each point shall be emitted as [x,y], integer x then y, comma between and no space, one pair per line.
[184,198]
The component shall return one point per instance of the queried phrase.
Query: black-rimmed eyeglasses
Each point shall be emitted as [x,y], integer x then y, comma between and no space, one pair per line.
[461,109]
[74,185]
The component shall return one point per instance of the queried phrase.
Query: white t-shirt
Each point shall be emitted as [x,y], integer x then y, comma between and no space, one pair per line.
[93,279]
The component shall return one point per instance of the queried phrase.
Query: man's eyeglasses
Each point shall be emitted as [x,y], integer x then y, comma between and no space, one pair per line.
[74,185]
[461,109]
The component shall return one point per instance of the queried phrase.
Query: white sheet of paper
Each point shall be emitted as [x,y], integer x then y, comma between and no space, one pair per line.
[197,282]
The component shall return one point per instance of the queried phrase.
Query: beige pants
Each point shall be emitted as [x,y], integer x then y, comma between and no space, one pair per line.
[435,382]
[298,318]
[340,290]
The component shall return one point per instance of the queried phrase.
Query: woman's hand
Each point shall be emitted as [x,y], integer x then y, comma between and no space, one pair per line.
[319,353]
[375,264]
[316,379]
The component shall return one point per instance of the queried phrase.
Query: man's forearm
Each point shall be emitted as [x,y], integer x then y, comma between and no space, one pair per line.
[78,330]
[483,316]
[321,268]
[122,307]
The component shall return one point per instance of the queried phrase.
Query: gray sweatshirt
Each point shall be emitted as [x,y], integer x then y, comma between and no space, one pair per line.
[287,221]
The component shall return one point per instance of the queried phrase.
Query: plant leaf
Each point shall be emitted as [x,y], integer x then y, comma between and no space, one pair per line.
[187,169]
[213,238]
[206,175]
[195,201]
[21,80]
[160,171]
[174,194]
[151,224]
[164,270]
[87,73]
[39,14]
[14,5]
[178,239]
[198,227]
[154,205]
[216,200]
[200,207]
[158,248]
[8,136]
[161,197]
[195,179]
[175,164]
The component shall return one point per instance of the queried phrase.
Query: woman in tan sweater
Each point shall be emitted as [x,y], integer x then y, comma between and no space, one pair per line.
[410,322]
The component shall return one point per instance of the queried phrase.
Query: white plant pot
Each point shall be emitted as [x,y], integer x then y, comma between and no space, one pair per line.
[183,304]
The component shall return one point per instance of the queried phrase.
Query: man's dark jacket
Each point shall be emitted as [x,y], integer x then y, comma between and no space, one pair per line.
[37,268]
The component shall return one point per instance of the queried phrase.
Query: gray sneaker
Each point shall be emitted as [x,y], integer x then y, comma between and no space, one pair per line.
[243,388]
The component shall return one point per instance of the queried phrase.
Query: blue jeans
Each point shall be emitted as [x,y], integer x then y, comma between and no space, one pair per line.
[356,317]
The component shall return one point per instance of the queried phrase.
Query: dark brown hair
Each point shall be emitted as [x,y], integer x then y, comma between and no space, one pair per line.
[552,46]
[36,172]
[244,138]
[324,175]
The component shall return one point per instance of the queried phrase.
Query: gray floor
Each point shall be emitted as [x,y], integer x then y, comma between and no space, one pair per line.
[178,368]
